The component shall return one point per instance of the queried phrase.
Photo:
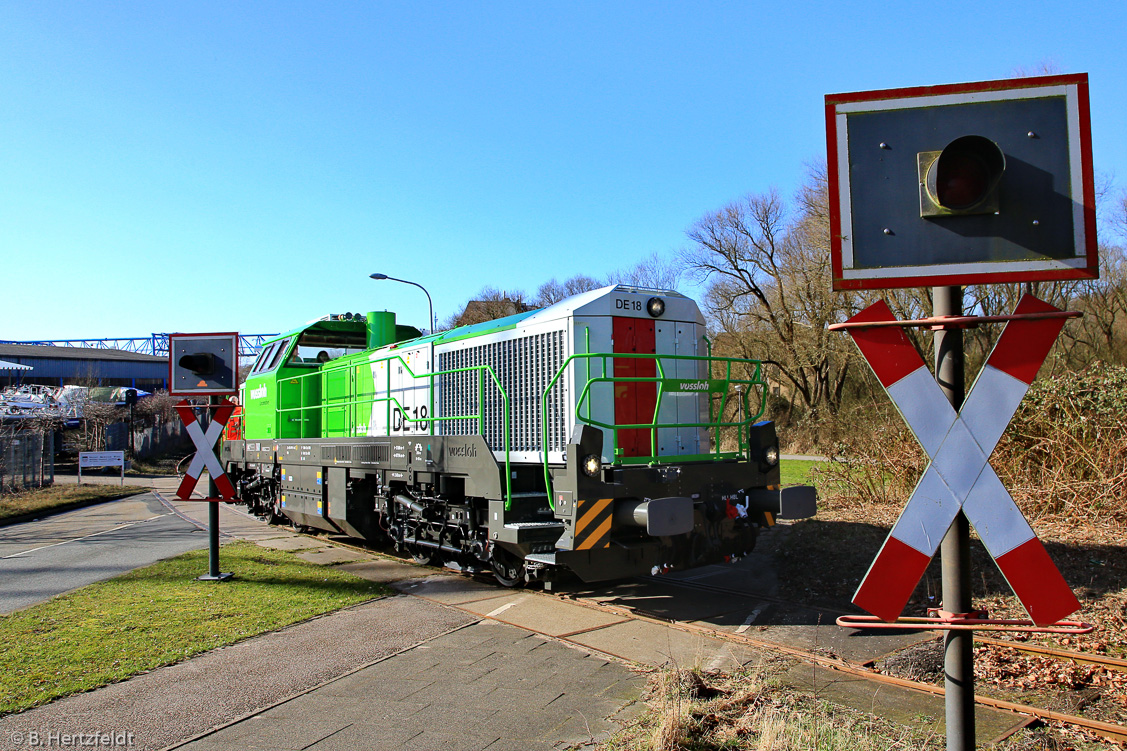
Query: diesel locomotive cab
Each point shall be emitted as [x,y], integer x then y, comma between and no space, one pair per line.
[598,436]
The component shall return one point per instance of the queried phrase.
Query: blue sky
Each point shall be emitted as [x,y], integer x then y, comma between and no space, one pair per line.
[246,165]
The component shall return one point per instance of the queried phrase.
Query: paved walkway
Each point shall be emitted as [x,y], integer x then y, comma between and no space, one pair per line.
[376,676]
[451,664]
[485,686]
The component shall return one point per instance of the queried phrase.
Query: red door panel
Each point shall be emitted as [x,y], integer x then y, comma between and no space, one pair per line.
[634,402]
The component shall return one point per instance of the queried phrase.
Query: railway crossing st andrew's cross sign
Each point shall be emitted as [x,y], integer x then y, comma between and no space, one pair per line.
[959,476]
[204,365]
[205,451]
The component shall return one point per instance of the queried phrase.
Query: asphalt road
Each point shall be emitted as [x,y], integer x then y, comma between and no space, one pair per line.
[41,559]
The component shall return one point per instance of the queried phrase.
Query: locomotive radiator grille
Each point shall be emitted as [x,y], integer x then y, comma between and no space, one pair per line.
[524,367]
[336,454]
[379,453]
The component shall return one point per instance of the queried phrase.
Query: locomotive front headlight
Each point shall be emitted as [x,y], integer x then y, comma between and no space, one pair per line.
[655,306]
[771,455]
[592,463]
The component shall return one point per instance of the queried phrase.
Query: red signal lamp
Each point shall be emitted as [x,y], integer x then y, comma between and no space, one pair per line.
[962,179]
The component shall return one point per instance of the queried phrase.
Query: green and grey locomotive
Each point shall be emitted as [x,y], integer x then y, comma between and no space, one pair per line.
[597,436]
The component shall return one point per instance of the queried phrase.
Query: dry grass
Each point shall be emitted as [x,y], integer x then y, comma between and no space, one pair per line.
[695,711]
[1063,457]
[39,500]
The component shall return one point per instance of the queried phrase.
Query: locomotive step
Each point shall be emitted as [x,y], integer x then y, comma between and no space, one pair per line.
[529,532]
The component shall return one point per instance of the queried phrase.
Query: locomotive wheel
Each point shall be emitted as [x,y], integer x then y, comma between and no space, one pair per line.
[424,556]
[507,568]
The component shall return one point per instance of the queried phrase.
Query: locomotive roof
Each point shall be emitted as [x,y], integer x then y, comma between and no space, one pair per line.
[561,309]
[330,328]
[335,330]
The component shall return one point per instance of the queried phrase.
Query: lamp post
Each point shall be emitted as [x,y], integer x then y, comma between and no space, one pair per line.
[430,304]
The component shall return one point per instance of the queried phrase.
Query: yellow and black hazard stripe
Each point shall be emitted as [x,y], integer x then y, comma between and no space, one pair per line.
[592,524]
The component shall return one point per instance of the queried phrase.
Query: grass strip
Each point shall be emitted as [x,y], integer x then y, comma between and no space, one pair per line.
[159,615]
[797,471]
[54,496]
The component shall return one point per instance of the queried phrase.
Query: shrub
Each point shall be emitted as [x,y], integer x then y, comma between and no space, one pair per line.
[1065,451]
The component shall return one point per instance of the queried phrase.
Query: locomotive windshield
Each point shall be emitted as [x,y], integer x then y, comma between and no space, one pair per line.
[319,343]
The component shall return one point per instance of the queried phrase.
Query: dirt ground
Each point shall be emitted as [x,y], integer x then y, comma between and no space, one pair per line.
[1092,558]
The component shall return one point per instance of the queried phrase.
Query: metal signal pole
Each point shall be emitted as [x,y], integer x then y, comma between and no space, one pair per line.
[213,572]
[954,551]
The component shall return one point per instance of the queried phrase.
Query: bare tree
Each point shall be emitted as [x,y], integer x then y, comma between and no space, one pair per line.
[654,271]
[96,417]
[1046,67]
[489,304]
[768,270]
[553,291]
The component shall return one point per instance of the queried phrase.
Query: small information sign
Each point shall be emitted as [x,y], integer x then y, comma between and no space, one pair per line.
[101,459]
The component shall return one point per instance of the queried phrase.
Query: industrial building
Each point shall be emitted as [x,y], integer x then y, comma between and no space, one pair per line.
[59,366]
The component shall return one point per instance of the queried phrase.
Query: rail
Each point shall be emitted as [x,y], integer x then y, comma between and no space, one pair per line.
[353,400]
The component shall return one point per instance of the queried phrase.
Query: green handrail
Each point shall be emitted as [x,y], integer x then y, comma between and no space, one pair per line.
[716,423]
[431,419]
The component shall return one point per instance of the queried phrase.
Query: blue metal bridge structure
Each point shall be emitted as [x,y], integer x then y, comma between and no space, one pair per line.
[154,344]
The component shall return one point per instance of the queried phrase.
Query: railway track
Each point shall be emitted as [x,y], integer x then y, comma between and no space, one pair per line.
[1104,729]
[1086,658]
[1110,731]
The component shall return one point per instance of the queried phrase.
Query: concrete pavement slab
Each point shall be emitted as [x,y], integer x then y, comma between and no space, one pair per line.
[293,542]
[268,734]
[551,617]
[452,705]
[446,740]
[902,705]
[367,735]
[386,571]
[346,706]
[332,555]
[493,607]
[854,645]
[678,603]
[253,535]
[652,644]
[452,590]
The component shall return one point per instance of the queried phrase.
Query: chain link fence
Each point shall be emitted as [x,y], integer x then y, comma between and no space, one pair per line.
[26,460]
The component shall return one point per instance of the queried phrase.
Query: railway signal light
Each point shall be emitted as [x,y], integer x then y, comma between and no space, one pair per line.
[962,184]
[203,364]
[962,179]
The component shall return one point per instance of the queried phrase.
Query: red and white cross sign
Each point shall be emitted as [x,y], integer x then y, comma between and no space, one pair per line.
[205,451]
[959,476]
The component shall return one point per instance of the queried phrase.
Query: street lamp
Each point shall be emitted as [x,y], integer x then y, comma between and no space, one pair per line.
[404,281]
